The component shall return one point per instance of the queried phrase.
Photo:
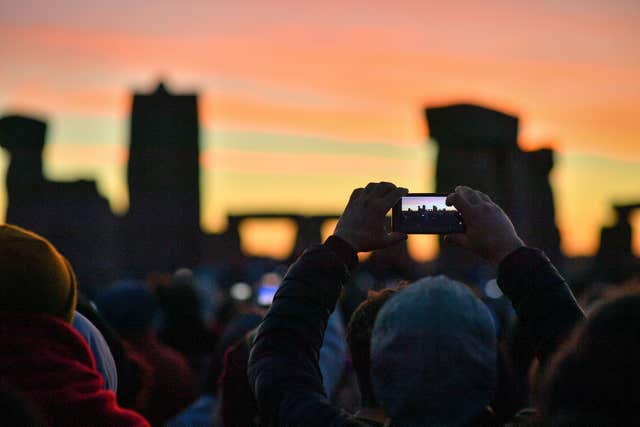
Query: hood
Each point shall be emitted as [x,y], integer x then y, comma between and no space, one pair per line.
[45,359]
[100,350]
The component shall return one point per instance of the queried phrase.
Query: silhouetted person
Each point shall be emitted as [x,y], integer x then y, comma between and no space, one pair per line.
[183,328]
[134,374]
[594,380]
[359,339]
[407,346]
[206,409]
[129,308]
[41,356]
[238,407]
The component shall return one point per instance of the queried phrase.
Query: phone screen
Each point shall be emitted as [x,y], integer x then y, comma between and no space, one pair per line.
[266,294]
[426,214]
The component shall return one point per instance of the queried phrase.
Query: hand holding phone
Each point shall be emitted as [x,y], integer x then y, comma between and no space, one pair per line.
[489,232]
[362,224]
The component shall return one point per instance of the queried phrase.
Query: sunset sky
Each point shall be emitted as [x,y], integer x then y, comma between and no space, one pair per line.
[414,203]
[302,101]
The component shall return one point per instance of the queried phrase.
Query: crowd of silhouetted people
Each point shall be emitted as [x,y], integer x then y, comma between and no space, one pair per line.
[429,221]
[333,348]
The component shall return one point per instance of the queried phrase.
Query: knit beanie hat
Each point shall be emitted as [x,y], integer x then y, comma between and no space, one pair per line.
[34,276]
[433,354]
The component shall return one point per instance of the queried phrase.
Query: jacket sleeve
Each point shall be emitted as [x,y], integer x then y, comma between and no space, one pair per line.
[541,297]
[283,366]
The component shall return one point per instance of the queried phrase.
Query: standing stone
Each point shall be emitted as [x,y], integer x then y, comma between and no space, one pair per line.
[478,147]
[162,227]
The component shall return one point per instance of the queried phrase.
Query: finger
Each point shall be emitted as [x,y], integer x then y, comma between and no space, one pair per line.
[469,194]
[393,238]
[369,188]
[382,189]
[393,197]
[459,202]
[355,194]
[457,239]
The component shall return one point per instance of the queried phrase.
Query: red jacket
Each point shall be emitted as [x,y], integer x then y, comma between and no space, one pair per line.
[48,362]
[174,385]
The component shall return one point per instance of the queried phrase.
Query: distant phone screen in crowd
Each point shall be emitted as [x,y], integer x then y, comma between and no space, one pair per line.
[266,294]
[426,213]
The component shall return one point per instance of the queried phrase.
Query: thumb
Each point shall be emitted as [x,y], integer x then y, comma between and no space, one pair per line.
[457,239]
[393,238]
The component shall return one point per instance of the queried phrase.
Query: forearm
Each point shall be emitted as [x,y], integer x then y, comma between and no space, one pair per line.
[283,366]
[541,297]
[309,293]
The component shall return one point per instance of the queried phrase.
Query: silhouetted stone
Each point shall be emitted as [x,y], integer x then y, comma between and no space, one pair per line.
[308,233]
[224,247]
[24,138]
[540,229]
[615,260]
[478,147]
[163,223]
[73,215]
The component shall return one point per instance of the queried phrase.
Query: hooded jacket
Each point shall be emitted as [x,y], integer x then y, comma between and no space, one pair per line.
[283,365]
[47,361]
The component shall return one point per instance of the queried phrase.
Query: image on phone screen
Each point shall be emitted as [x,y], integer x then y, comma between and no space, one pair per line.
[426,213]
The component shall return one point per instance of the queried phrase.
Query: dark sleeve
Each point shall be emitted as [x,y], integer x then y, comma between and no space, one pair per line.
[542,299]
[283,365]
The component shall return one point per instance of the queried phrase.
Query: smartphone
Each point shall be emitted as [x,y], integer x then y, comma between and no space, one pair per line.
[426,213]
[266,292]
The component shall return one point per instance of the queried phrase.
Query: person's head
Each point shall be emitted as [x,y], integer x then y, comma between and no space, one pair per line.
[593,380]
[180,299]
[128,307]
[433,355]
[235,331]
[35,277]
[358,338]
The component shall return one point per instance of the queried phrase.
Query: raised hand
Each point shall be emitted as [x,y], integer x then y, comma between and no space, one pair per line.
[362,224]
[488,230]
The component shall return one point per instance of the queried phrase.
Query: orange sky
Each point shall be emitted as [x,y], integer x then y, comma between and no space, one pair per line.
[302,102]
